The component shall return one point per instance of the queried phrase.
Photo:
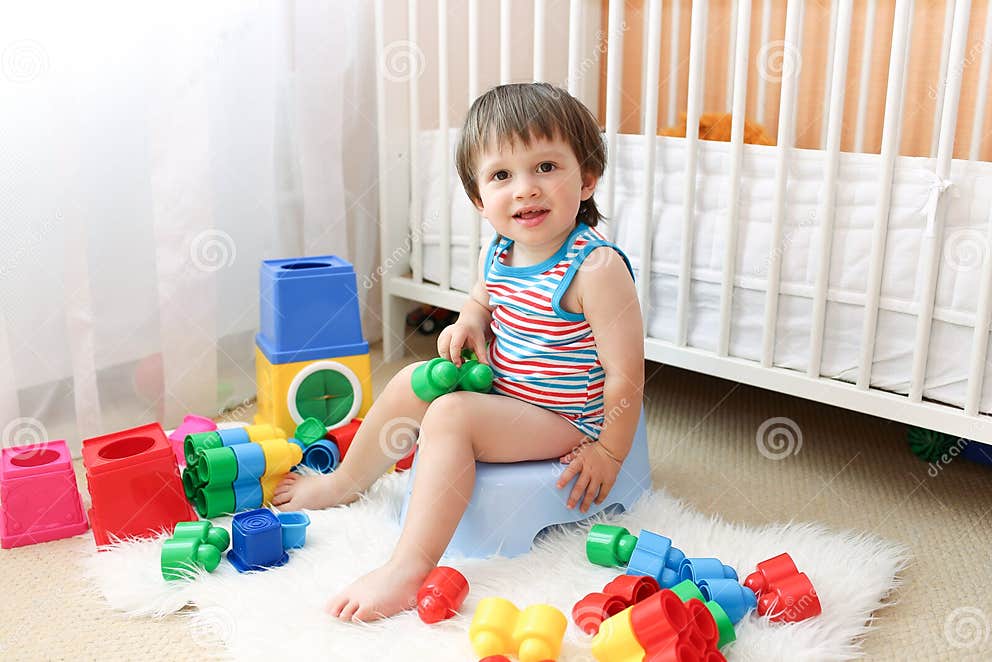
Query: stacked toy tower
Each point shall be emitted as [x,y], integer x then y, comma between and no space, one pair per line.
[310,357]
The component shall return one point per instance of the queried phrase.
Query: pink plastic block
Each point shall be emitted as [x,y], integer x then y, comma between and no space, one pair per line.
[191,424]
[39,499]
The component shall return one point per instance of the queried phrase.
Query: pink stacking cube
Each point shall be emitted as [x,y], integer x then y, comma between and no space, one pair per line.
[39,499]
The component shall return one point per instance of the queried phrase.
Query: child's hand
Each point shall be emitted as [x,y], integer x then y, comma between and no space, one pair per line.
[458,336]
[597,473]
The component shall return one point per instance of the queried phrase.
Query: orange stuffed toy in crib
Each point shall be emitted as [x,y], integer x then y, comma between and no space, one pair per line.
[716,126]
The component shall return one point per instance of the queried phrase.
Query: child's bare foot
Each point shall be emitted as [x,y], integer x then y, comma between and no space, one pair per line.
[387,590]
[296,492]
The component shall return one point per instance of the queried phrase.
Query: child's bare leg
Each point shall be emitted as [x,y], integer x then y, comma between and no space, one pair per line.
[385,436]
[458,429]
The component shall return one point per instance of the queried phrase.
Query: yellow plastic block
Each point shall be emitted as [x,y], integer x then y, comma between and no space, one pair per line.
[280,456]
[615,641]
[279,388]
[262,432]
[269,485]
[491,631]
[540,630]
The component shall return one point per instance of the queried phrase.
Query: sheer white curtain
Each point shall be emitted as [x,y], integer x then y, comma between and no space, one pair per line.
[151,154]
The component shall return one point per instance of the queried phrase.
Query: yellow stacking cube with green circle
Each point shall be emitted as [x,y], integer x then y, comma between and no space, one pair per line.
[311,360]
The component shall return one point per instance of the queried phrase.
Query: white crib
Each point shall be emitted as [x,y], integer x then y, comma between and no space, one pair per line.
[857,278]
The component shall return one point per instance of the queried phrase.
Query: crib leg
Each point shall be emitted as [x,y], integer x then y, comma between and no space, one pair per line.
[393,327]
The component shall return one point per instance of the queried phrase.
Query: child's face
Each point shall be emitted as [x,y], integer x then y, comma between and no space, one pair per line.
[531,194]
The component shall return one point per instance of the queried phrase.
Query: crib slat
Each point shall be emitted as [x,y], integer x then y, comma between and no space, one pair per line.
[980,338]
[828,207]
[731,52]
[942,74]
[505,15]
[574,46]
[831,48]
[472,258]
[934,235]
[697,67]
[442,108]
[540,20]
[416,218]
[766,30]
[891,130]
[785,141]
[742,42]
[866,52]
[651,75]
[614,79]
[974,152]
[675,56]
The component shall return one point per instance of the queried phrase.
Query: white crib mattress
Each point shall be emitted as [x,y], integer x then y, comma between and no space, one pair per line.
[966,245]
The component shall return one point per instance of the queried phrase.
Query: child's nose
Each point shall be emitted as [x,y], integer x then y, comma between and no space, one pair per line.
[526,188]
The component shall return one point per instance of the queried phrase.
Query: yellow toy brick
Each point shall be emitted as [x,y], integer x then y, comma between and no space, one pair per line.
[615,641]
[499,628]
[540,630]
[332,390]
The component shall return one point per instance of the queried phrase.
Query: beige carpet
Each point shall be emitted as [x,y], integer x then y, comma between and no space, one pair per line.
[851,472]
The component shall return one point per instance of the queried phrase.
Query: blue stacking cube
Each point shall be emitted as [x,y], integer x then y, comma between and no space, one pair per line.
[256,541]
[309,310]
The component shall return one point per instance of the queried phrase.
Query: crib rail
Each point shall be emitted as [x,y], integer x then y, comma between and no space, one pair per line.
[431,66]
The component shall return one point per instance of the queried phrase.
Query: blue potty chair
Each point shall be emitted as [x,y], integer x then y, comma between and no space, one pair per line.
[512,503]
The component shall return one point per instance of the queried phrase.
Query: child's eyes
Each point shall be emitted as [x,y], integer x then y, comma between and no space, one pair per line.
[545,167]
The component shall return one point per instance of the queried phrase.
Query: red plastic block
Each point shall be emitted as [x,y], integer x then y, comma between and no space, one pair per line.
[134,484]
[632,588]
[39,499]
[790,600]
[442,593]
[770,571]
[658,620]
[344,435]
[590,612]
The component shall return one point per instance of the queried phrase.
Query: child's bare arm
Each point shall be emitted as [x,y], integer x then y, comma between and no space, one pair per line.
[472,328]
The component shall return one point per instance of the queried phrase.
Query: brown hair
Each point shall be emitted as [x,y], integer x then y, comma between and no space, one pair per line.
[527,111]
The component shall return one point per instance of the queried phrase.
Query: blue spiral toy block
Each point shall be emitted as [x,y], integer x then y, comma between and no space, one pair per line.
[256,541]
[322,456]
[698,569]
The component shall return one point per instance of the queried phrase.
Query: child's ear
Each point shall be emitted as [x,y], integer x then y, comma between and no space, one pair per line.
[589,182]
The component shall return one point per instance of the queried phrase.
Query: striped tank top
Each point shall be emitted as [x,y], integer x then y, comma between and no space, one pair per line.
[540,352]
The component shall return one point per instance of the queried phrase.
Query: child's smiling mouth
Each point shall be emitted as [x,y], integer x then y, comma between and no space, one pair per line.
[531,216]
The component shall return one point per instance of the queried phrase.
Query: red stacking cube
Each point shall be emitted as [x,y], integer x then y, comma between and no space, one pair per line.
[134,484]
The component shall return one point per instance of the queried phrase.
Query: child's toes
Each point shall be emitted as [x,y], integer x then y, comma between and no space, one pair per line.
[279,498]
[348,612]
[335,605]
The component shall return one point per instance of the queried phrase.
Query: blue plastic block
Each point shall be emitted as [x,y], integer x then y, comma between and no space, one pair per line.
[654,556]
[294,529]
[735,599]
[256,541]
[234,436]
[698,569]
[322,455]
[251,461]
[247,494]
[309,310]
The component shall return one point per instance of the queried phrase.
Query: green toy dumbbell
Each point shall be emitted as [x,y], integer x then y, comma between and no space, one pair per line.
[193,544]
[439,376]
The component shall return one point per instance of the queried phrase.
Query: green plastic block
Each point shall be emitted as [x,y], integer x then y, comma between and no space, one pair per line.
[204,531]
[192,545]
[475,376]
[723,624]
[686,590]
[217,466]
[310,430]
[214,501]
[193,443]
[434,378]
[609,546]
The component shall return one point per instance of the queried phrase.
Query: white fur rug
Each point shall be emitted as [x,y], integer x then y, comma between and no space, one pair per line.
[279,612]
